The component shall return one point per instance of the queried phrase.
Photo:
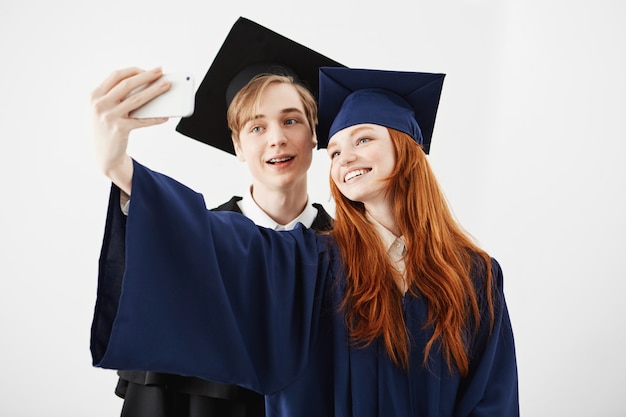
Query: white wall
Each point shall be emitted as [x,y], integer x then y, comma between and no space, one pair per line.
[529,147]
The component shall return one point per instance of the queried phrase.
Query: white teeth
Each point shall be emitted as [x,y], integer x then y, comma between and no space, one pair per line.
[355,173]
[276,160]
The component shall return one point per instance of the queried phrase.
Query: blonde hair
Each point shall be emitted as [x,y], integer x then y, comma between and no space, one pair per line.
[246,101]
[439,260]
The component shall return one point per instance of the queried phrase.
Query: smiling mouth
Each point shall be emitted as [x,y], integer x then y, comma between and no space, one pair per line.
[280,160]
[356,173]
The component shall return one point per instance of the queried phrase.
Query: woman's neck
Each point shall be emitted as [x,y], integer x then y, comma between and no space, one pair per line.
[384,215]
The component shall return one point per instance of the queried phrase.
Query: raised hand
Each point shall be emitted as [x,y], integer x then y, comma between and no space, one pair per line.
[111,103]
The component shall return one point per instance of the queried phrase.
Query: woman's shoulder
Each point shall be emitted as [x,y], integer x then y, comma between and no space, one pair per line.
[485,271]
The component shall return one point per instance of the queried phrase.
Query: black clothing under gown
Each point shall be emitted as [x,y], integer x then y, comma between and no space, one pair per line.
[153,394]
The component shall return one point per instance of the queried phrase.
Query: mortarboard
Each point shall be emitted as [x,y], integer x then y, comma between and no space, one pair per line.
[249,49]
[405,101]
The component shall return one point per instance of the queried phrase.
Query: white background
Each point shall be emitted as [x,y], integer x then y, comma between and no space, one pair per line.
[529,147]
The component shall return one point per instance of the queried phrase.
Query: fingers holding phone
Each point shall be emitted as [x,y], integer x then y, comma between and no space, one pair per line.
[132,98]
[112,100]
[111,106]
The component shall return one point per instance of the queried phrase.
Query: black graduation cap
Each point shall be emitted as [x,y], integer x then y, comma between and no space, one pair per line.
[249,49]
[405,101]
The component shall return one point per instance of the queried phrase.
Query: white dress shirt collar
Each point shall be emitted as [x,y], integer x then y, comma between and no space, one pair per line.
[395,245]
[251,210]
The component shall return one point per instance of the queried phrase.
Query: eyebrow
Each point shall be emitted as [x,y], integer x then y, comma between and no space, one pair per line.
[292,110]
[360,129]
[283,111]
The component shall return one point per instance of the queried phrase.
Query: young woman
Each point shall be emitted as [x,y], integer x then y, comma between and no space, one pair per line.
[395,312]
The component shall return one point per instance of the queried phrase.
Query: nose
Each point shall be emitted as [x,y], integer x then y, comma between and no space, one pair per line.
[346,156]
[275,135]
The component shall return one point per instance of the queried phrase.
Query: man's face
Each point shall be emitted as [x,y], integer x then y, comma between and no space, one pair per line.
[277,143]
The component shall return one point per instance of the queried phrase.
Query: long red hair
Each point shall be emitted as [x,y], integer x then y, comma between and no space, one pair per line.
[438,260]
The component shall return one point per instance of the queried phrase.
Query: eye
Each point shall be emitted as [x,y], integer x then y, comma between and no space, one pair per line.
[256,129]
[291,122]
[361,141]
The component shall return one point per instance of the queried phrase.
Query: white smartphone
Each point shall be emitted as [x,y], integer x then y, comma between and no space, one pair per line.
[178,101]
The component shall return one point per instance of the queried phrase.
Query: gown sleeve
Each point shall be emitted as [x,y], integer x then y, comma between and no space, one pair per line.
[208,294]
[491,388]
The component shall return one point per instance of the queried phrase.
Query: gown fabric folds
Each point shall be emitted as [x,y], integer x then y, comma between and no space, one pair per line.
[211,295]
[154,394]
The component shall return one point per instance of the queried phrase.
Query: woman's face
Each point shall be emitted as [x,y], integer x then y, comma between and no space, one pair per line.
[277,143]
[362,159]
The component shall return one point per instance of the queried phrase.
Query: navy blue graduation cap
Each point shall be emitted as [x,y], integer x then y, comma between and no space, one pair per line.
[249,50]
[405,101]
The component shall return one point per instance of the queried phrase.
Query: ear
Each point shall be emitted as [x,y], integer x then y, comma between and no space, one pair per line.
[314,140]
[238,150]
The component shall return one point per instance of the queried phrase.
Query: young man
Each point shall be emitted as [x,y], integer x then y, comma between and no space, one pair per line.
[271,126]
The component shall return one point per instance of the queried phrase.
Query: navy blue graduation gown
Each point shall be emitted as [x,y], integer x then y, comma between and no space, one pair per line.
[212,295]
[154,394]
